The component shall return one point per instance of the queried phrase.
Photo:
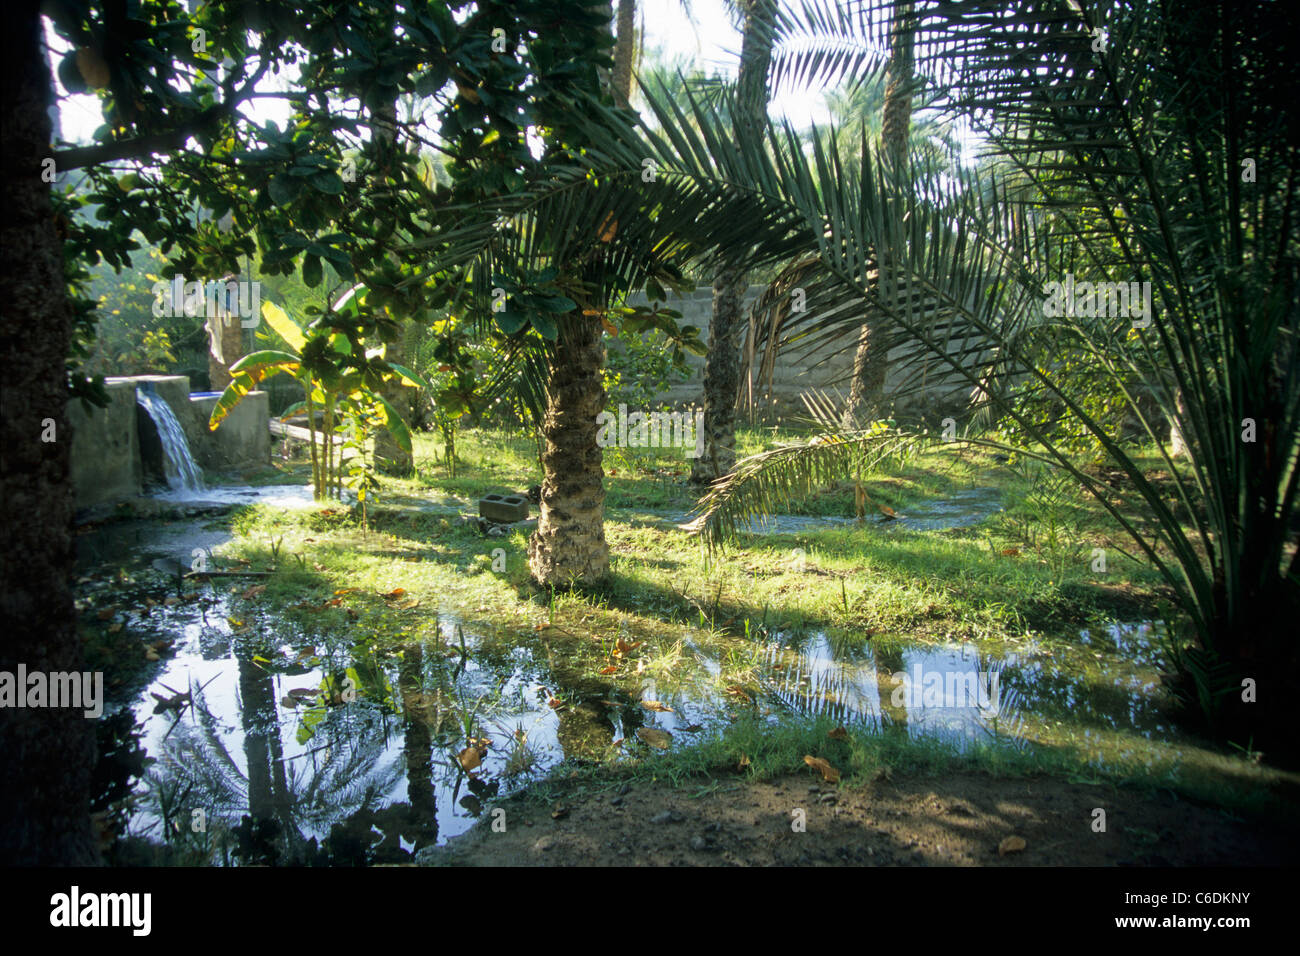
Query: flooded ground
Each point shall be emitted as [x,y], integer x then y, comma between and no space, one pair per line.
[271,742]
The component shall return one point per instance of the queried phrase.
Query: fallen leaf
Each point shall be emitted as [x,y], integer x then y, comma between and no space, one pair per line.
[744,762]
[839,733]
[611,669]
[829,773]
[1012,844]
[1010,552]
[653,737]
[406,605]
[739,693]
[610,327]
[342,591]
[394,594]
[622,648]
[656,706]
[287,701]
[887,511]
[304,693]
[253,592]
[469,758]
[691,729]
[559,813]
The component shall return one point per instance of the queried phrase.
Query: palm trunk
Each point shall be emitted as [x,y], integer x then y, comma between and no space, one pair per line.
[624,52]
[871,364]
[721,380]
[722,364]
[48,753]
[569,546]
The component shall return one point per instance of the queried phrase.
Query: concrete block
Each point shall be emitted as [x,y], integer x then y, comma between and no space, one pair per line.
[503,509]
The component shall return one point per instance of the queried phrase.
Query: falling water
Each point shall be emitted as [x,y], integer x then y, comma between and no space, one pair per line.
[184,475]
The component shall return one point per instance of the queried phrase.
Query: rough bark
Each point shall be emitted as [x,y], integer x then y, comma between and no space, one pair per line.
[390,457]
[569,546]
[722,363]
[721,380]
[871,365]
[624,52]
[47,753]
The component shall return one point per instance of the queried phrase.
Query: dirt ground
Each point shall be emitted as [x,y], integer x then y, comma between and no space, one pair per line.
[959,820]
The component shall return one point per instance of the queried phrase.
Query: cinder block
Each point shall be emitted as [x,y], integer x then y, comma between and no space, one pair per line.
[503,509]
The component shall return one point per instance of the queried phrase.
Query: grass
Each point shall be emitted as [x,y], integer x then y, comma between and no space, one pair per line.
[1020,584]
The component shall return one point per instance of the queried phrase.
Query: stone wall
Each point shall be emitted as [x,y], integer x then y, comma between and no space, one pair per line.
[105,454]
[826,369]
[114,447]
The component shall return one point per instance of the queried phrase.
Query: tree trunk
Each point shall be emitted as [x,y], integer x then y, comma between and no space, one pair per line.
[624,52]
[47,753]
[569,546]
[721,381]
[1177,443]
[391,458]
[722,363]
[871,365]
[231,347]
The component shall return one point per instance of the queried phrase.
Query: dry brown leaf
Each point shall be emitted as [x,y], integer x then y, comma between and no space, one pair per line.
[253,592]
[656,706]
[394,594]
[839,733]
[887,511]
[610,327]
[469,758]
[654,737]
[611,669]
[406,605]
[1011,844]
[608,228]
[622,648]
[829,773]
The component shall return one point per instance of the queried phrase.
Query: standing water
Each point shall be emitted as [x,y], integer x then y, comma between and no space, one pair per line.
[176,448]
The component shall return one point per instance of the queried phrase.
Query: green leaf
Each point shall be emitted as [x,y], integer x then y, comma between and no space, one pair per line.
[312,274]
[282,189]
[545,326]
[511,322]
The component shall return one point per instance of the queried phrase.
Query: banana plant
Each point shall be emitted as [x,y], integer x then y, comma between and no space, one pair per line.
[333,392]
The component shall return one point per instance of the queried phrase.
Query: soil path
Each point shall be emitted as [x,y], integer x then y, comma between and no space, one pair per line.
[958,820]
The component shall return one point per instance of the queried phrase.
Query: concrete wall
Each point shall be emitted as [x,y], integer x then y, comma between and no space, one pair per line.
[115,449]
[242,440]
[828,369]
[105,448]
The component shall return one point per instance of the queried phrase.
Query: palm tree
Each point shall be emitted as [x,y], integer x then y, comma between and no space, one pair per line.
[722,364]
[624,52]
[870,361]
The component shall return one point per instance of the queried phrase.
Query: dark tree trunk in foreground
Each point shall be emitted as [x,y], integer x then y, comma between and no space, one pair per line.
[871,361]
[47,754]
[569,546]
[722,364]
